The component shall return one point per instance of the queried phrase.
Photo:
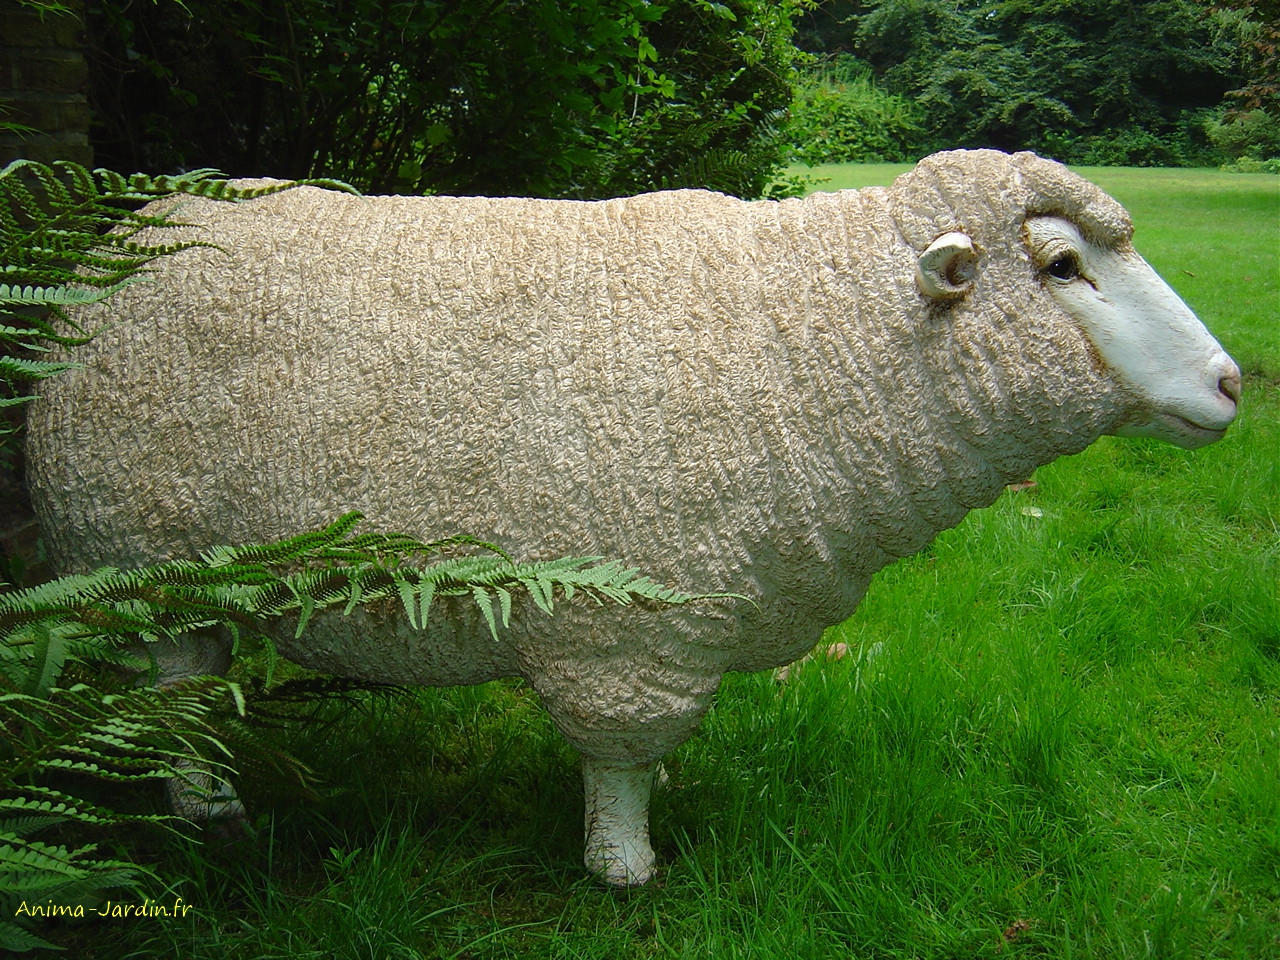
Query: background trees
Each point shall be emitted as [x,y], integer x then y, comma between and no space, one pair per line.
[586,99]
[1258,25]
[599,98]
[1092,81]
[1046,75]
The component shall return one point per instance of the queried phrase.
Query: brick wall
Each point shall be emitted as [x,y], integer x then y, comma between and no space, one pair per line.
[42,84]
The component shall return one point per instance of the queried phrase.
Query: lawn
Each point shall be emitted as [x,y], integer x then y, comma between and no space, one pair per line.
[1057,734]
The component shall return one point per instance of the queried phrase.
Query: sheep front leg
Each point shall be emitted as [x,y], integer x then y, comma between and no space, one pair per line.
[617,822]
[198,794]
[204,798]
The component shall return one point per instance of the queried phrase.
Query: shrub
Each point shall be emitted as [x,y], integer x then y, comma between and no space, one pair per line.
[1253,166]
[1182,143]
[583,100]
[1254,135]
[840,115]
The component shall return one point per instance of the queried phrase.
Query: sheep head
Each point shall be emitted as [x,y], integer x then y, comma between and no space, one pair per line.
[965,211]
[1182,386]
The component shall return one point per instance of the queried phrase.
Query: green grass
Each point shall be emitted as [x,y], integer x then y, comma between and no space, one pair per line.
[1062,720]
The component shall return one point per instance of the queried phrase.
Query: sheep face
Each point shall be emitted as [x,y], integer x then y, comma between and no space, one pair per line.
[1180,384]
[1168,378]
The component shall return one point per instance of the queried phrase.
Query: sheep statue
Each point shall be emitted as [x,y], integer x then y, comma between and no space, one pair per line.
[769,399]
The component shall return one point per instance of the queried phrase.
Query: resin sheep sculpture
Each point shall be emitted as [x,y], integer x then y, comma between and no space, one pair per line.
[773,399]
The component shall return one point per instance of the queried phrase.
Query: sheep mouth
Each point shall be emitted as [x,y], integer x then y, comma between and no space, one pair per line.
[1190,434]
[1172,428]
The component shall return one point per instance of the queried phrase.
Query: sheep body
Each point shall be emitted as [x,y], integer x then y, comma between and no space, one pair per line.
[730,396]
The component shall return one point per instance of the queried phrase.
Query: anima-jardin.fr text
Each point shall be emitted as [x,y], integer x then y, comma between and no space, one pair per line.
[112,909]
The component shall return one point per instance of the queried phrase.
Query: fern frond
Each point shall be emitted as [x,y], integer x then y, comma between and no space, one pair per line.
[246,586]
[31,867]
[19,940]
[312,543]
[50,296]
[39,813]
[21,826]
[16,334]
[141,734]
[716,168]
[21,369]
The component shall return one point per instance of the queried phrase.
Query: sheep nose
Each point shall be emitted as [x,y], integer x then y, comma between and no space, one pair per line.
[1229,386]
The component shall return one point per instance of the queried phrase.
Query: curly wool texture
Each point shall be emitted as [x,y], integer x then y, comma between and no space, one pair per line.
[731,396]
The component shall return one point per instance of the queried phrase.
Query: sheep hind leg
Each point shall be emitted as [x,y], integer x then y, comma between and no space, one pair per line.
[198,794]
[617,821]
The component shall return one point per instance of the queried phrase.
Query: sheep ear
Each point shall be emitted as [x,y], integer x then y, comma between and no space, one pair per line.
[945,271]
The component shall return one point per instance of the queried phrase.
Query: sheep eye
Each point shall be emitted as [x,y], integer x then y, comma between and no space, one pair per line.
[1065,267]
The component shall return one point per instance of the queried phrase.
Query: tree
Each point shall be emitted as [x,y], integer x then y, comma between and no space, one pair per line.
[1258,24]
[539,98]
[1051,74]
[827,29]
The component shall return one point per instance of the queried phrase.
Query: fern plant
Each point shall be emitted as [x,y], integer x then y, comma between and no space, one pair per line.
[145,733]
[68,237]
[69,734]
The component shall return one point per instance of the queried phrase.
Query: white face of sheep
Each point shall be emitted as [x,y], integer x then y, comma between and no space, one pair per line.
[1185,387]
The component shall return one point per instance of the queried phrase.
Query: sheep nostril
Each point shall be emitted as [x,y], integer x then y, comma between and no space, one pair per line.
[1229,387]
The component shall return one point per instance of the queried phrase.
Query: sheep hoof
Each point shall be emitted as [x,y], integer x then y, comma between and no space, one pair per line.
[617,822]
[615,869]
[204,799]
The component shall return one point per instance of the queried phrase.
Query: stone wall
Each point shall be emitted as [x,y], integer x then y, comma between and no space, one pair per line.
[43,77]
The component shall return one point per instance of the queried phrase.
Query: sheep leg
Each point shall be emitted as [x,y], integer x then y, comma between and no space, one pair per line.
[617,821]
[198,794]
[204,798]
[624,702]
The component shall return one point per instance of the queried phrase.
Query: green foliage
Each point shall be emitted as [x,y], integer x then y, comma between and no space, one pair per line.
[589,99]
[1252,135]
[1102,79]
[1257,25]
[46,6]
[721,124]
[56,738]
[1184,143]
[840,114]
[1245,165]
